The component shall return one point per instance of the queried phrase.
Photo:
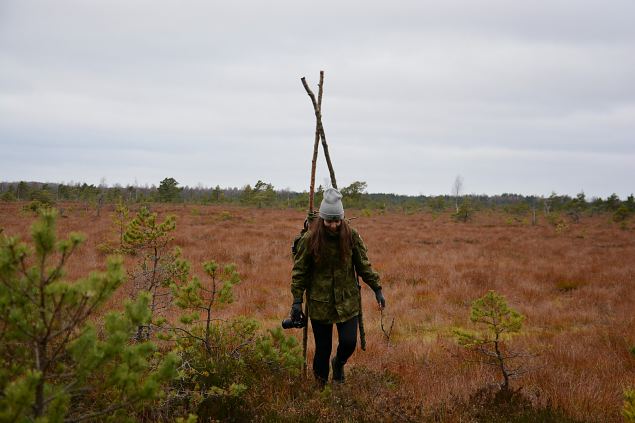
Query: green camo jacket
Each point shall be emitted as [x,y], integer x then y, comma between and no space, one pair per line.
[331,285]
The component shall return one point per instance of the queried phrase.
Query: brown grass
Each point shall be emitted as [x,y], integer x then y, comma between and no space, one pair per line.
[576,288]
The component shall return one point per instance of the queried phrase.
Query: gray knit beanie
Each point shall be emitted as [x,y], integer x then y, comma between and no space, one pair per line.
[331,206]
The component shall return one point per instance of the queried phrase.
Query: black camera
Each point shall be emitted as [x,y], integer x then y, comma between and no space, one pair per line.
[294,323]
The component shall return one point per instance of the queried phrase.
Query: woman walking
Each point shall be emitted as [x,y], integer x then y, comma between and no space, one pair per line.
[329,257]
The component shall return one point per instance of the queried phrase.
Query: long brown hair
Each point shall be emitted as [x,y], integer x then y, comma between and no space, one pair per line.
[317,239]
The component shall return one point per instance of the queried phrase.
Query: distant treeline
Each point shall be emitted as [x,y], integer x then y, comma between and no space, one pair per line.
[263,194]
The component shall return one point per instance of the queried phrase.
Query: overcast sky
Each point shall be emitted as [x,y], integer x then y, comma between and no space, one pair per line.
[516,96]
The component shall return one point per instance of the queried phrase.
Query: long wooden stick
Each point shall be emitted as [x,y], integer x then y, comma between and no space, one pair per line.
[316,143]
[320,127]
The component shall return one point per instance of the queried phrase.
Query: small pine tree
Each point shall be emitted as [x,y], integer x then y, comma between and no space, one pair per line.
[612,202]
[217,194]
[120,221]
[246,196]
[22,190]
[489,346]
[465,211]
[576,206]
[352,194]
[50,353]
[263,195]
[196,297]
[223,358]
[436,204]
[158,265]
[169,191]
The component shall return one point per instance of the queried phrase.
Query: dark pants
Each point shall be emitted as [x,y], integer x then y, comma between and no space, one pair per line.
[323,335]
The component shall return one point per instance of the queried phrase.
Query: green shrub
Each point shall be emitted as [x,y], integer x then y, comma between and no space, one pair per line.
[629,405]
[236,376]
[8,196]
[558,222]
[629,401]
[567,285]
[228,363]
[43,196]
[36,207]
[621,214]
[279,352]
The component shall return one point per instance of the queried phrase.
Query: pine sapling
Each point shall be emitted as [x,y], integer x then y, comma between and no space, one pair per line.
[120,221]
[221,359]
[196,297]
[208,346]
[158,265]
[490,345]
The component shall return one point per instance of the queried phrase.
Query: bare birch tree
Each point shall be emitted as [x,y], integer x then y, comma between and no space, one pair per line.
[457,187]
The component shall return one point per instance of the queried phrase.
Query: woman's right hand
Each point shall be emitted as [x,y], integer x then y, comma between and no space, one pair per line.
[296,310]
[381,301]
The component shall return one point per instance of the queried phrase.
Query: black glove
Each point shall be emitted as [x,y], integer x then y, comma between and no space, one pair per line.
[380,298]
[296,310]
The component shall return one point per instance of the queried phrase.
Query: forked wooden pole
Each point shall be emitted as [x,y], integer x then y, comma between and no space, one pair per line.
[316,143]
[319,127]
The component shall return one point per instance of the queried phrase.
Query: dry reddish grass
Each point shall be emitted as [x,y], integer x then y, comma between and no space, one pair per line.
[432,268]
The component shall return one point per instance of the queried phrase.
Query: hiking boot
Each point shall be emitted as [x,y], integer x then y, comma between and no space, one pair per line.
[338,370]
[319,382]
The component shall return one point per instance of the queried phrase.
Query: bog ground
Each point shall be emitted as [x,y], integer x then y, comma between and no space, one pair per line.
[575,285]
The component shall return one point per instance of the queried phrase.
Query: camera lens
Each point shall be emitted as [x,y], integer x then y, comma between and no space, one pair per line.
[287,324]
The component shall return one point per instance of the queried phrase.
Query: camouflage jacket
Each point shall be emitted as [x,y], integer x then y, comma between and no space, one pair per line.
[331,285]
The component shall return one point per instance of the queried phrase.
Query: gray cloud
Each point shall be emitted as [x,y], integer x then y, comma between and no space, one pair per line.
[516,97]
